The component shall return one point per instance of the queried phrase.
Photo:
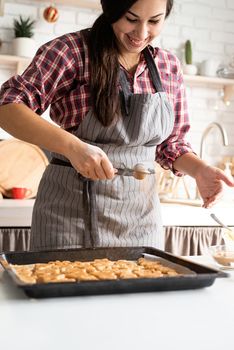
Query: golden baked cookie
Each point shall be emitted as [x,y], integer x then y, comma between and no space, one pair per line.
[98,269]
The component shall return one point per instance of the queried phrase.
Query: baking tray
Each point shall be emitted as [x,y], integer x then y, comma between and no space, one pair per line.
[193,275]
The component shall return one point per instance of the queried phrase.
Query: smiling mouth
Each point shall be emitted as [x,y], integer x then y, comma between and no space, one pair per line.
[135,42]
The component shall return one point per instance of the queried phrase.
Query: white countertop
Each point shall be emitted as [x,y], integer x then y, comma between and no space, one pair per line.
[186,215]
[194,319]
[18,213]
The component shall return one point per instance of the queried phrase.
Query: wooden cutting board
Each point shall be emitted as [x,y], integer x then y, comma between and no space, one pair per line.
[21,165]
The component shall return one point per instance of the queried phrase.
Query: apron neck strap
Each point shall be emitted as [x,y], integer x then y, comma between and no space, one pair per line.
[154,75]
[153,70]
[125,93]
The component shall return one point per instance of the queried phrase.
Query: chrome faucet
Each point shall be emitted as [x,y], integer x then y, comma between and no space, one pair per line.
[210,127]
[206,132]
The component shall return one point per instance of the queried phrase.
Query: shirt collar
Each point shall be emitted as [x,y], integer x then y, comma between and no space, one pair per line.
[142,65]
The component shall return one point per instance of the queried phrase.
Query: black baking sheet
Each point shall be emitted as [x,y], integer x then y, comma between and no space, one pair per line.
[193,275]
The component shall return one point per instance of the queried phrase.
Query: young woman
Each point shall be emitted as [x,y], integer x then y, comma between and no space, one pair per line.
[118,102]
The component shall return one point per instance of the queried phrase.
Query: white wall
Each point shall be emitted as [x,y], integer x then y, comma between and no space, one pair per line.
[209,24]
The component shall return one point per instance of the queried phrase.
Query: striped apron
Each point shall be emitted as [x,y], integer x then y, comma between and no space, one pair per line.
[71,211]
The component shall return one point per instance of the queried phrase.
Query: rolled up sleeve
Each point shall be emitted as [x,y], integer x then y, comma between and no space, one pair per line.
[176,145]
[47,78]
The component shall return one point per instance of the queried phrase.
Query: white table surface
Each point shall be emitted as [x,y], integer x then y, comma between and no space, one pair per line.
[18,213]
[185,320]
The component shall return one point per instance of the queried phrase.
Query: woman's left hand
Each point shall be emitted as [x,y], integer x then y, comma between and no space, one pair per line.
[210,182]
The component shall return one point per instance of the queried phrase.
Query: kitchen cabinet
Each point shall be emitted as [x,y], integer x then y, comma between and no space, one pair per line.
[14,239]
[188,230]
[179,240]
[191,240]
[15,224]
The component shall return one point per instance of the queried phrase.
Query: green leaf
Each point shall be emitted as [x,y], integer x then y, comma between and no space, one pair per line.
[23,27]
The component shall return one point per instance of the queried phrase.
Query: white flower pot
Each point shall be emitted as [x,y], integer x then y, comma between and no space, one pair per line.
[24,47]
[190,69]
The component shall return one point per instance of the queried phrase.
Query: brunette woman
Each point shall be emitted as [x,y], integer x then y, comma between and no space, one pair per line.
[118,102]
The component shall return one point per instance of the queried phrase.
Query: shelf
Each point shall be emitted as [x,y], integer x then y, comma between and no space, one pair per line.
[213,82]
[11,59]
[18,62]
[209,81]
[193,80]
[91,4]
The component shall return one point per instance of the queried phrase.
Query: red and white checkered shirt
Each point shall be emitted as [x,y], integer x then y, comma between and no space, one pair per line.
[58,77]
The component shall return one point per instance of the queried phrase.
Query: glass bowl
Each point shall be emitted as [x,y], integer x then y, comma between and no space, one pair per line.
[226,72]
[223,254]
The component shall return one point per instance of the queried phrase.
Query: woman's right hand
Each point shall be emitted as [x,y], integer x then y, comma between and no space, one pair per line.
[90,161]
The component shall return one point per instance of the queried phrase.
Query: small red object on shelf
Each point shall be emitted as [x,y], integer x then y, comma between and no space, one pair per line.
[51,14]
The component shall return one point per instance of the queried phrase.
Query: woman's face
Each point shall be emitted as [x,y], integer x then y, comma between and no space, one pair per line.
[140,25]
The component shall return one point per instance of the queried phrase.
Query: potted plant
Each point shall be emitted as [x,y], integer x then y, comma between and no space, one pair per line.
[189,67]
[23,43]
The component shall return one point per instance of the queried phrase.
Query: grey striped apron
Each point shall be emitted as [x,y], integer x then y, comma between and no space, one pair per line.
[127,210]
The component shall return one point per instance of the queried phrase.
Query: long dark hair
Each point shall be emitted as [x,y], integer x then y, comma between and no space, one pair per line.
[104,65]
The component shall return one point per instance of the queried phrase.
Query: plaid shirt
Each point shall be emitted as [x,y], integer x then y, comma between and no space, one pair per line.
[58,77]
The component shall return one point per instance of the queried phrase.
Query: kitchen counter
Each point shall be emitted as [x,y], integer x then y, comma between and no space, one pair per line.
[189,230]
[188,215]
[18,213]
[194,319]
